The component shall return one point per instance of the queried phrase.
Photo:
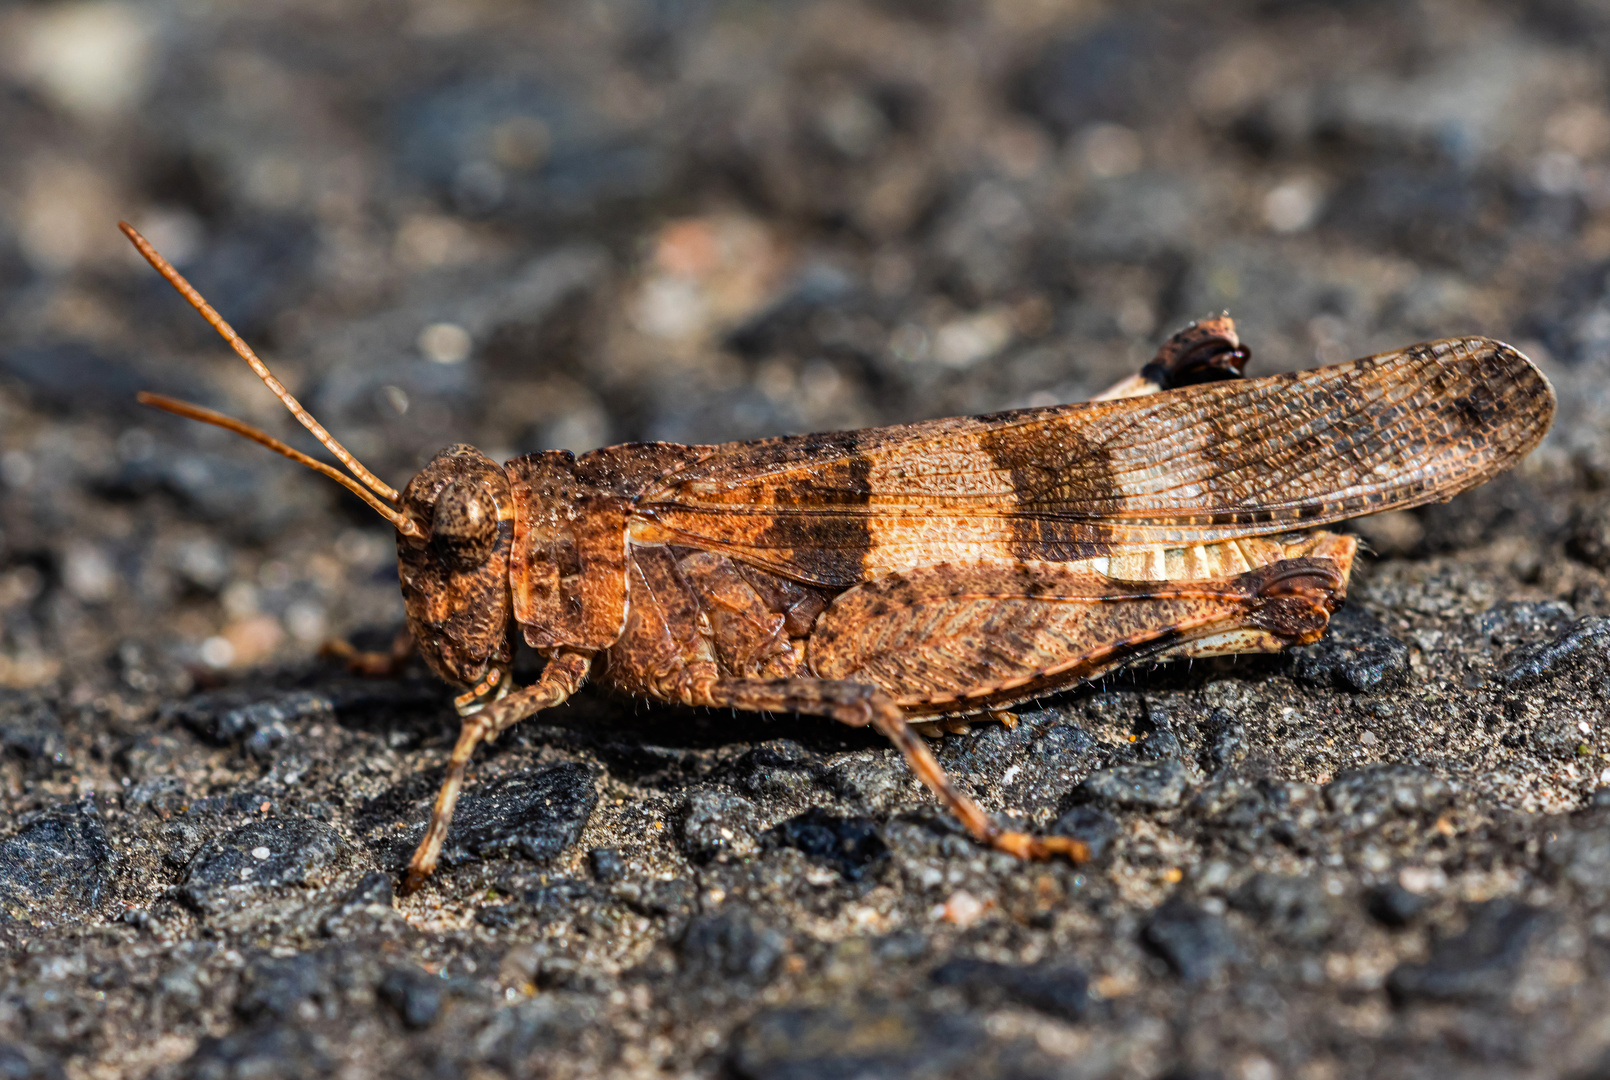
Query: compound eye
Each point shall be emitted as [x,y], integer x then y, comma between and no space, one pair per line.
[464,525]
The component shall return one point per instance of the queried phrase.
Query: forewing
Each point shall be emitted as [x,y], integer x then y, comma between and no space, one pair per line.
[1192,466]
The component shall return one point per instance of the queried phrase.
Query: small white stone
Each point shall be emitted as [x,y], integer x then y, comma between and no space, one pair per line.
[261,853]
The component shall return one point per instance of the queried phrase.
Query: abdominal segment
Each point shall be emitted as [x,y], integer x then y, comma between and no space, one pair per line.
[959,638]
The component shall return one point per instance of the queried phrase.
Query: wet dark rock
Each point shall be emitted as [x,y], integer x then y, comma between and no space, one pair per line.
[268,854]
[30,730]
[1479,964]
[1295,910]
[715,824]
[607,865]
[18,1061]
[276,986]
[263,721]
[534,816]
[1582,643]
[1090,824]
[1355,654]
[1393,905]
[852,845]
[849,1040]
[1367,797]
[269,1051]
[1150,787]
[731,942]
[414,995]
[1195,943]
[1059,990]
[56,867]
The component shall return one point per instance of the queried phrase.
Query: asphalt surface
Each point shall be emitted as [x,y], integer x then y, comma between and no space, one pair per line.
[570,224]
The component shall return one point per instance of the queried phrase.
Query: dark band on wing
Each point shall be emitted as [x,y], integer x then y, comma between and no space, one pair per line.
[1208,463]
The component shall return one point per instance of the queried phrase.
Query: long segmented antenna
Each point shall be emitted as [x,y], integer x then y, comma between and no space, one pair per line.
[227,332]
[229,423]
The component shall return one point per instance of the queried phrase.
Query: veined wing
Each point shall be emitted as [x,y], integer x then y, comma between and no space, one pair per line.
[1193,466]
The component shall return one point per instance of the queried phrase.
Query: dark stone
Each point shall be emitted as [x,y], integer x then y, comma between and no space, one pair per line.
[1393,905]
[1091,824]
[263,721]
[1480,964]
[1366,797]
[264,1052]
[607,865]
[732,943]
[1158,742]
[778,768]
[1583,642]
[1148,787]
[852,845]
[1589,538]
[1295,910]
[1225,743]
[56,867]
[227,869]
[1060,990]
[372,895]
[1195,943]
[19,1061]
[275,986]
[415,995]
[855,1041]
[715,824]
[30,730]
[534,816]
[1355,654]
[1579,852]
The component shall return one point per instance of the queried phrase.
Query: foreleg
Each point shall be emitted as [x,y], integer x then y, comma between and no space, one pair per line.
[1205,351]
[379,665]
[563,676]
[858,705]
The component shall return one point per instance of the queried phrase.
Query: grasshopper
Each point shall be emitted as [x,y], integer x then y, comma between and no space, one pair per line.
[930,570]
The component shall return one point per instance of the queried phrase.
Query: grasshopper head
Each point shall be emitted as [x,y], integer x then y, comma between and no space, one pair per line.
[454,522]
[454,570]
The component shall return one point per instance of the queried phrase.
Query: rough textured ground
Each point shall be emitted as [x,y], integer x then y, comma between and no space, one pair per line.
[573,223]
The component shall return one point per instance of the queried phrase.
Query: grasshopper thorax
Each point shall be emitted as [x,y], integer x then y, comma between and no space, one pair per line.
[455,571]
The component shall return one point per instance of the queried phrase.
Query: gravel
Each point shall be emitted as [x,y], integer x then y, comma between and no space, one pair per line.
[569,224]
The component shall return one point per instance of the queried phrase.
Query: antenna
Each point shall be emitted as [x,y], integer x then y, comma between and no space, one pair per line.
[374,491]
[229,423]
[244,351]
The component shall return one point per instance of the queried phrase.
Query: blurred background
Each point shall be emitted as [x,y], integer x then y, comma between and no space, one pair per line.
[578,222]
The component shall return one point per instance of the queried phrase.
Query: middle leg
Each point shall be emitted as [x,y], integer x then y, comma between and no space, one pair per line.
[858,705]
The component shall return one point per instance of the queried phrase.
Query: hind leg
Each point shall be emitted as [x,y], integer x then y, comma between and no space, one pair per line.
[858,705]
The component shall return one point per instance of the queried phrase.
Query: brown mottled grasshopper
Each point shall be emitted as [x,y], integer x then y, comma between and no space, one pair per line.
[937,569]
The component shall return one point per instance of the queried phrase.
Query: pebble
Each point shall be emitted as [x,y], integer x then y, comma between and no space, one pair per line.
[1296,910]
[269,1051]
[1097,828]
[225,870]
[1056,989]
[1583,642]
[1479,964]
[1148,787]
[731,942]
[534,816]
[31,731]
[852,845]
[56,867]
[716,825]
[414,995]
[1355,654]
[877,1038]
[1366,797]
[1195,943]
